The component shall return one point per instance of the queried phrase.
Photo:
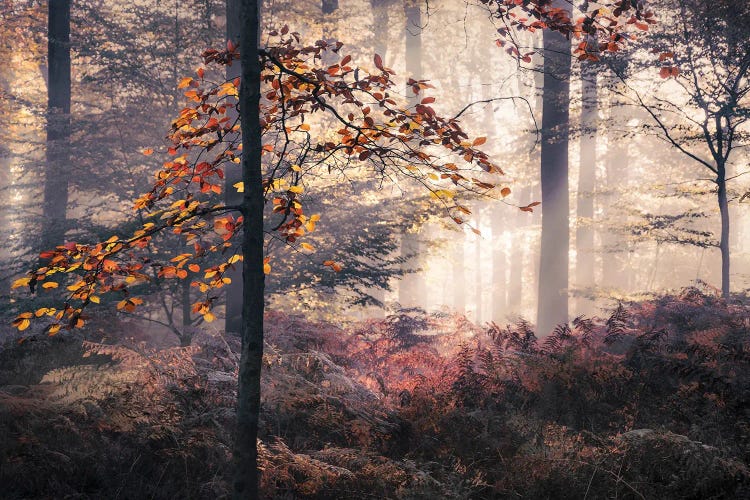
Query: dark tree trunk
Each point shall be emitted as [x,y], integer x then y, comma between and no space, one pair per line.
[721,182]
[233,293]
[57,168]
[553,268]
[586,183]
[246,475]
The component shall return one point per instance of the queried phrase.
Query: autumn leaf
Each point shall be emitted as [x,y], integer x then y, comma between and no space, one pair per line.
[21,282]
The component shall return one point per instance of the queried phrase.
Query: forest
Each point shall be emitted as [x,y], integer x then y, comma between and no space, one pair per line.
[392,249]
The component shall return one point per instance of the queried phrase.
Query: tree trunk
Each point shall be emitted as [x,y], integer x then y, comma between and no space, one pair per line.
[246,475]
[499,263]
[478,282]
[515,279]
[410,289]
[57,168]
[233,291]
[586,182]
[329,6]
[186,334]
[380,24]
[553,268]
[459,277]
[721,182]
[615,272]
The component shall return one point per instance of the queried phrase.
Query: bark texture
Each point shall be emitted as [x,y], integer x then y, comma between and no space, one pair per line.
[246,478]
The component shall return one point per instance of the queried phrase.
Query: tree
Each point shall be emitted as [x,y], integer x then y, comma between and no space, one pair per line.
[553,268]
[281,155]
[587,176]
[57,166]
[704,54]
[233,293]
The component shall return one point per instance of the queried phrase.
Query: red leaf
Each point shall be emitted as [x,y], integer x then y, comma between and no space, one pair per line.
[379,62]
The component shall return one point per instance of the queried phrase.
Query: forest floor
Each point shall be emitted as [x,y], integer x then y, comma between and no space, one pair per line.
[651,402]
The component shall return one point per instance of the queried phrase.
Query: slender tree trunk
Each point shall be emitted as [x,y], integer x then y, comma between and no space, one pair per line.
[246,475]
[233,291]
[186,336]
[499,264]
[586,183]
[615,272]
[380,26]
[721,182]
[478,281]
[329,6]
[515,291]
[410,288]
[57,168]
[553,268]
[459,277]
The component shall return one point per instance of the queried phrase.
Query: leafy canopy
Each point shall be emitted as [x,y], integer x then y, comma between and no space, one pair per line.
[373,132]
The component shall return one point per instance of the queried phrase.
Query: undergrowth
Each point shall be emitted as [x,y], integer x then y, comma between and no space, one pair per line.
[650,402]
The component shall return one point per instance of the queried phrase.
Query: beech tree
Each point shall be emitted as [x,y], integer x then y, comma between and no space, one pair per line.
[552,307]
[282,88]
[704,59]
[57,167]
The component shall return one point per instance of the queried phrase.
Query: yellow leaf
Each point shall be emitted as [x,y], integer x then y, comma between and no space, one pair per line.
[266,268]
[53,329]
[304,127]
[185,82]
[296,168]
[209,317]
[94,299]
[50,284]
[23,325]
[234,258]
[307,246]
[21,282]
[240,186]
[296,189]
